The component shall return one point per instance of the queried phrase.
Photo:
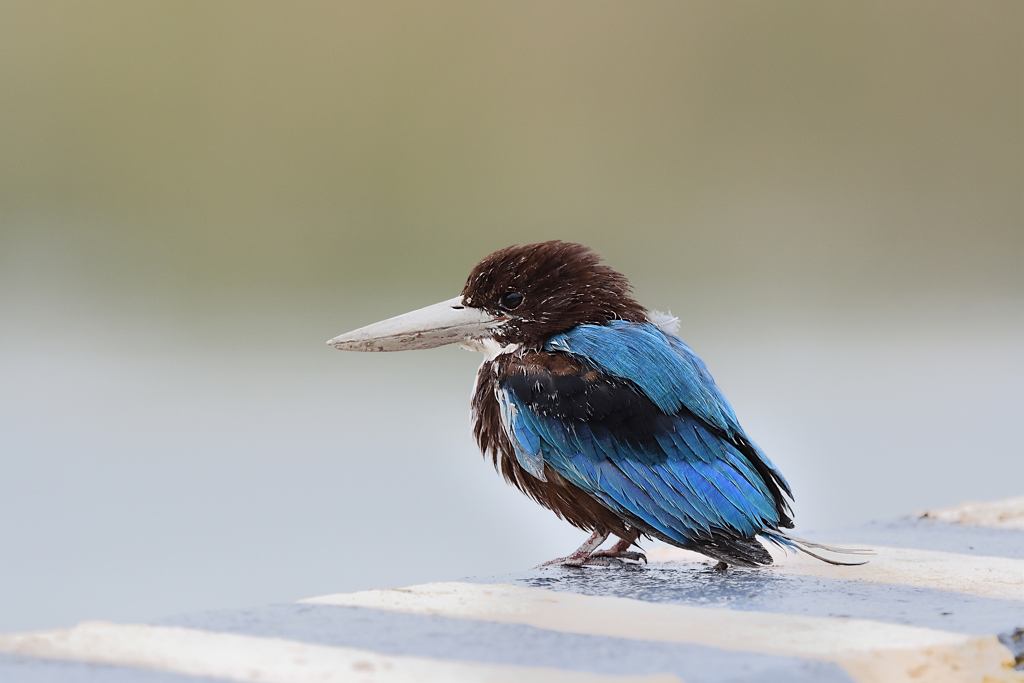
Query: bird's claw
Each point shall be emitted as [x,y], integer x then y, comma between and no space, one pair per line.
[569,561]
[600,558]
[589,553]
[631,555]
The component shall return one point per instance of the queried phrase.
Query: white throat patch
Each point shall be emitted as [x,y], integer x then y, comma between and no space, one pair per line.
[488,346]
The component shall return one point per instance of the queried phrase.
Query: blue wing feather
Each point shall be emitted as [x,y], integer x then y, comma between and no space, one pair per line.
[683,496]
[662,366]
[689,518]
[525,441]
[637,502]
[667,461]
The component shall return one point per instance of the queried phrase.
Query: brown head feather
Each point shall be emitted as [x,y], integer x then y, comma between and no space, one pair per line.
[562,285]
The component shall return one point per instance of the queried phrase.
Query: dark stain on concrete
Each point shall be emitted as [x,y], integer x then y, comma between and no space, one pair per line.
[1014,641]
[758,590]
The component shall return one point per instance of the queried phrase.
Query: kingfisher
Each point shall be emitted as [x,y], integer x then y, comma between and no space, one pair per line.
[591,405]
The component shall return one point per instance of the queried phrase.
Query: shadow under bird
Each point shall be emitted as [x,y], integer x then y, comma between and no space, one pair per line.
[592,406]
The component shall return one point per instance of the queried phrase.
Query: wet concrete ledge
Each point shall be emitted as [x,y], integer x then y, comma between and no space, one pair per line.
[942,600]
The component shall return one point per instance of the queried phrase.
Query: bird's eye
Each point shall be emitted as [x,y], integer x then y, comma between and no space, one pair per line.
[511,301]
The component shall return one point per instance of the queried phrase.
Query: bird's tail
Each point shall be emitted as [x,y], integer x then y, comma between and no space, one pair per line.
[802,545]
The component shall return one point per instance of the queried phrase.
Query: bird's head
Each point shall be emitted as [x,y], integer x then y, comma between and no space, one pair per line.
[517,297]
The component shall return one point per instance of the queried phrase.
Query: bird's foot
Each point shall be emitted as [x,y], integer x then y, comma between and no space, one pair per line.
[579,558]
[618,552]
[721,566]
[567,561]
[601,558]
[613,554]
[588,554]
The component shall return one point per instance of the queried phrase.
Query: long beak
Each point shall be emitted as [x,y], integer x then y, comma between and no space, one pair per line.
[448,322]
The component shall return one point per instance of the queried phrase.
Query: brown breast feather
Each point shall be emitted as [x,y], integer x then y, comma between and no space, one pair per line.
[556,494]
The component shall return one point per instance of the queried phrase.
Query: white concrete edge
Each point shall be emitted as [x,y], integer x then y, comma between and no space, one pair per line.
[235,657]
[867,650]
[1001,578]
[1007,513]
[822,638]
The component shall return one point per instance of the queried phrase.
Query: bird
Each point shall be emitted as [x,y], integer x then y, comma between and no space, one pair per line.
[592,406]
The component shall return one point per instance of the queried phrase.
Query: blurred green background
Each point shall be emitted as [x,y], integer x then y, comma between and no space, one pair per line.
[828,153]
[195,195]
